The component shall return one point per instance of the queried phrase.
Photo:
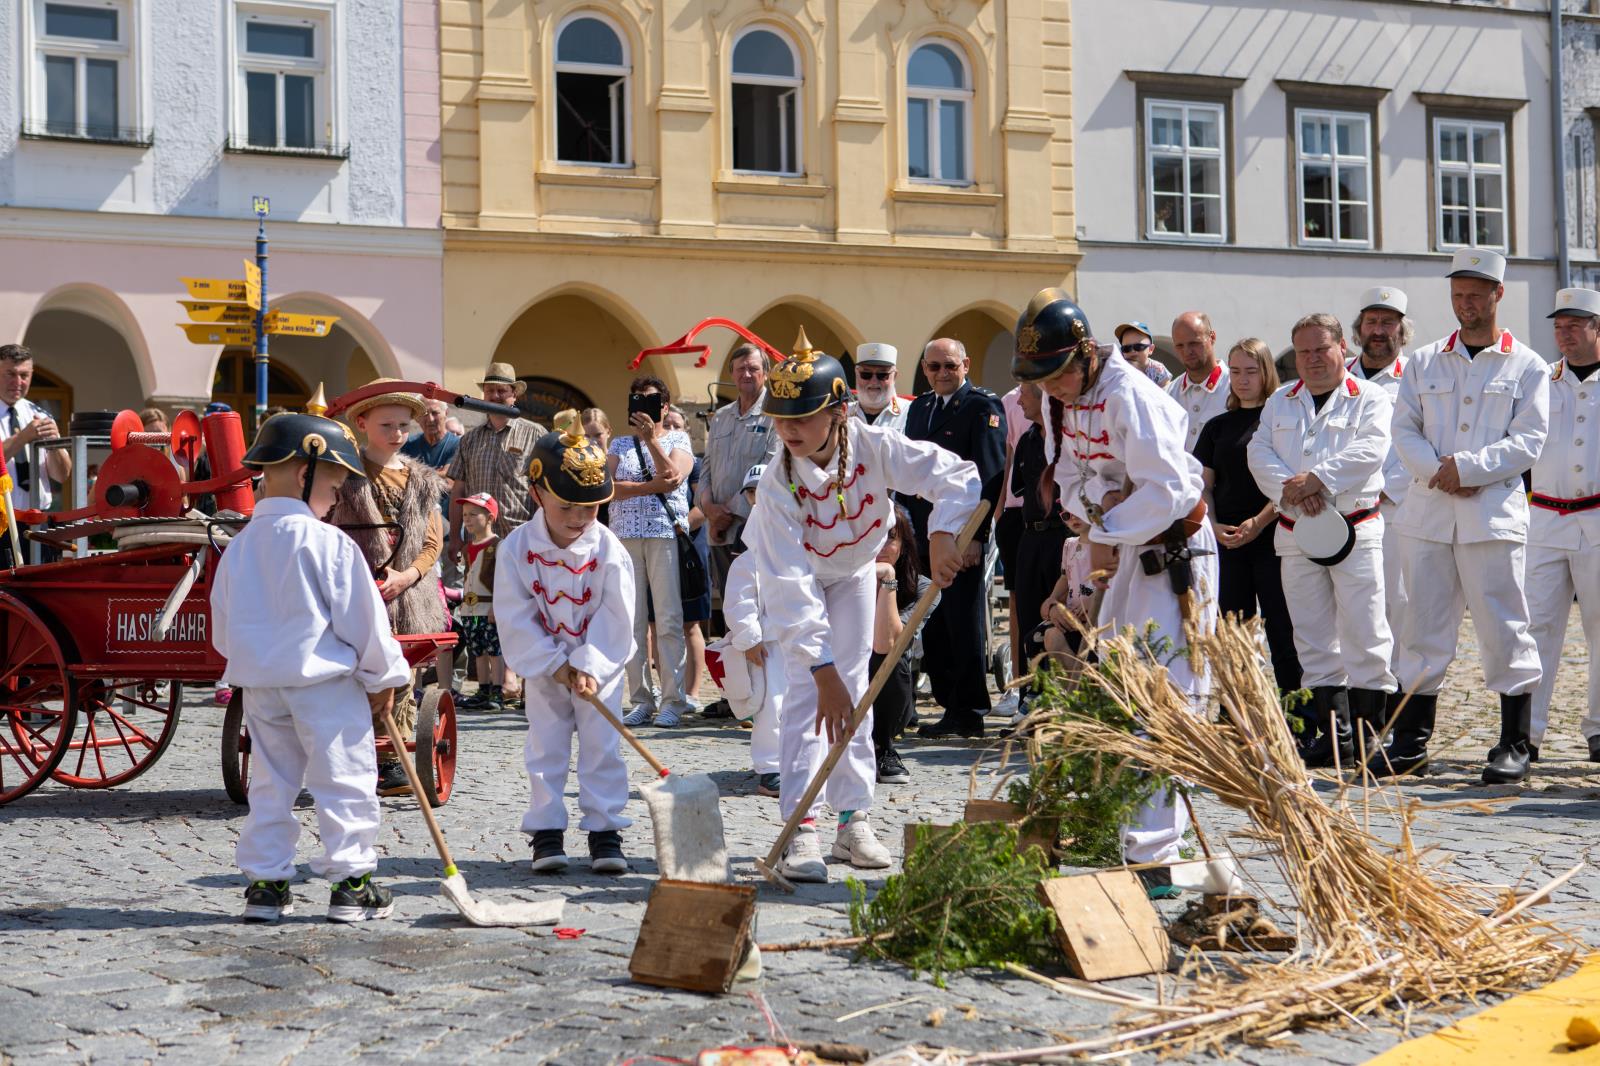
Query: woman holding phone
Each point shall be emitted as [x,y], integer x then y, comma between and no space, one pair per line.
[650,468]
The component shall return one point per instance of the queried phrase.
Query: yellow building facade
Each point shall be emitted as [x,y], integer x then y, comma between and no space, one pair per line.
[616,170]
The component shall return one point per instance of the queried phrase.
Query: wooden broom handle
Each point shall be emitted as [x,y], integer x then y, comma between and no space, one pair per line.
[881,678]
[627,734]
[416,790]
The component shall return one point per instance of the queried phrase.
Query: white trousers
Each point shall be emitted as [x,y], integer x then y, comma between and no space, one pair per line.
[1340,632]
[655,573]
[1484,577]
[1394,584]
[1137,599]
[850,605]
[319,736]
[1554,575]
[766,746]
[554,715]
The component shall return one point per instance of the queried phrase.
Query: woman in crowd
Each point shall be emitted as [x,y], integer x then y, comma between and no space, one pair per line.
[650,468]
[900,584]
[1241,516]
[696,612]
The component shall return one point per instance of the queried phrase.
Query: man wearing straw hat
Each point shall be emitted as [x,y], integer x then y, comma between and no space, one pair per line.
[1471,417]
[1564,527]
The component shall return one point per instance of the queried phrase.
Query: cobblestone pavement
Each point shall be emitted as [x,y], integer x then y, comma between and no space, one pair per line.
[120,942]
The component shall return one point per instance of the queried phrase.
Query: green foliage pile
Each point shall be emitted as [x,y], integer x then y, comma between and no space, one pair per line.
[966,899]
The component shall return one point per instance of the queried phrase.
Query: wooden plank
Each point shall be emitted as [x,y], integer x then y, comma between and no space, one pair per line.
[910,836]
[1107,927]
[694,935]
[1042,834]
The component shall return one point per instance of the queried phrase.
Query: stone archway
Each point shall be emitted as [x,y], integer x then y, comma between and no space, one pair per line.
[988,342]
[780,324]
[568,346]
[84,338]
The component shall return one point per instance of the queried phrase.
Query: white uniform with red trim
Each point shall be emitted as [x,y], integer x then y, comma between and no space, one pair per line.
[1396,480]
[742,610]
[1340,631]
[1126,434]
[1201,401]
[1564,541]
[1491,413]
[816,544]
[555,607]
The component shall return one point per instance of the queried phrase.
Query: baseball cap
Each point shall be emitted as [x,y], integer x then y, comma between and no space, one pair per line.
[1580,303]
[1384,296]
[217,408]
[1140,326]
[753,477]
[1478,263]
[487,502]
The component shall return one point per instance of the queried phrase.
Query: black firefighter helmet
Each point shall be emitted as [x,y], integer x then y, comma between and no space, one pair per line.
[805,383]
[570,466]
[313,438]
[1051,332]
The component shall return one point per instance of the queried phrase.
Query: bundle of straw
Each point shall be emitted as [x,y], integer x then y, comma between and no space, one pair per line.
[1388,932]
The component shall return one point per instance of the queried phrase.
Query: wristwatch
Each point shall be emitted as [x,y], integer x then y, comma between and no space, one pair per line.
[892,584]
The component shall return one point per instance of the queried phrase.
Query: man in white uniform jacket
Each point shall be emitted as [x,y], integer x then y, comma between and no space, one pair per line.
[1322,444]
[1471,416]
[1202,389]
[1383,332]
[1564,532]
[876,402]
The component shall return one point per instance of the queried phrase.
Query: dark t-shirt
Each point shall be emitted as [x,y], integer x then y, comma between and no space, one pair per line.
[1027,468]
[1583,372]
[1221,449]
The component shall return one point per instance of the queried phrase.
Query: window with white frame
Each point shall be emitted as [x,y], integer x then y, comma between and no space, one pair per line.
[1185,180]
[83,70]
[592,74]
[766,85]
[938,115]
[1333,175]
[284,84]
[1469,162]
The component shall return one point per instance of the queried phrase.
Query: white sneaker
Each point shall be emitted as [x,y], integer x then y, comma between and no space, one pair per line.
[636,717]
[666,718]
[802,859]
[858,845]
[1006,706]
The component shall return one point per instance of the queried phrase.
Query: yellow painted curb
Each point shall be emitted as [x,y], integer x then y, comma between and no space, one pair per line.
[1529,1028]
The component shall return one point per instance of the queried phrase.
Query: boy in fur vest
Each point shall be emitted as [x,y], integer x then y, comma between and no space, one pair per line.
[405,492]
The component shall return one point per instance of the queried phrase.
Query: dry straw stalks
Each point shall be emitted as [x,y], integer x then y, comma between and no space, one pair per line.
[1386,933]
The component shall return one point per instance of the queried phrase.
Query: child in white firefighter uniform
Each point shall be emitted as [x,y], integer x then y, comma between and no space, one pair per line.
[742,608]
[1322,444]
[1121,461]
[1564,531]
[298,617]
[1471,417]
[563,599]
[822,514]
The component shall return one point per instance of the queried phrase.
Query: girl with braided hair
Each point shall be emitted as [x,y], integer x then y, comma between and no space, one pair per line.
[822,514]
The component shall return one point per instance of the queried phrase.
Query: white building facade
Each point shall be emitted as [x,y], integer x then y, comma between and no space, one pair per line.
[136,135]
[1259,163]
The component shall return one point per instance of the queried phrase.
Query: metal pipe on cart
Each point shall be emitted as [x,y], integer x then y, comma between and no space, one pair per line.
[261,320]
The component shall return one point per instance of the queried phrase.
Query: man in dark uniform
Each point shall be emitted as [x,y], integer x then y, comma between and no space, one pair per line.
[969,421]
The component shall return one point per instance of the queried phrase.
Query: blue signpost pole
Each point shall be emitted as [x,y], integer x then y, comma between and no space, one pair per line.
[261,312]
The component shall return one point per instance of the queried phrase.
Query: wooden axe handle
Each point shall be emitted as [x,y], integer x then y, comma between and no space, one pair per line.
[627,734]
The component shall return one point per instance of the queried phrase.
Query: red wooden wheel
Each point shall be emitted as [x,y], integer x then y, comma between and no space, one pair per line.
[36,715]
[236,751]
[127,724]
[436,744]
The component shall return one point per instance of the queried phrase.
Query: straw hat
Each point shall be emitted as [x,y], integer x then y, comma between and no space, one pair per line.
[503,374]
[409,400]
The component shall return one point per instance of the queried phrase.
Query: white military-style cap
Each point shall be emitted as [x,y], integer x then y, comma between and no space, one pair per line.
[875,354]
[1478,263]
[1583,303]
[1384,296]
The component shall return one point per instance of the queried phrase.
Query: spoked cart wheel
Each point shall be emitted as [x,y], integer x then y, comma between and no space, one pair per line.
[436,744]
[36,715]
[127,724]
[236,751]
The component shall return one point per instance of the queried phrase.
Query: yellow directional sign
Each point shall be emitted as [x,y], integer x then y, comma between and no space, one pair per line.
[202,311]
[252,274]
[282,324]
[233,336]
[224,289]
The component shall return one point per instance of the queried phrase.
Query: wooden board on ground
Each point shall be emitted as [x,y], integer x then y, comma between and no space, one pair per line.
[694,935]
[1107,927]
[1041,834]
[910,835]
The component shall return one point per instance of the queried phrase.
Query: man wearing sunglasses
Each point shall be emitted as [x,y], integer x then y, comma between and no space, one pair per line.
[968,420]
[876,402]
[1138,346]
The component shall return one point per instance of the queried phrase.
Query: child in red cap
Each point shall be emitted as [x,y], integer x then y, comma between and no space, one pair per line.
[479,636]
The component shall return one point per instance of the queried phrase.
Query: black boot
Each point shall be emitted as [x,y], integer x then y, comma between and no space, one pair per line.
[1331,705]
[1369,713]
[1302,720]
[1407,752]
[1508,762]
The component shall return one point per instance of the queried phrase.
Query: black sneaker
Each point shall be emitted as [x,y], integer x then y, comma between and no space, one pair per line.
[891,771]
[968,725]
[549,851]
[719,709]
[478,701]
[768,784]
[267,901]
[392,780]
[356,899]
[605,852]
